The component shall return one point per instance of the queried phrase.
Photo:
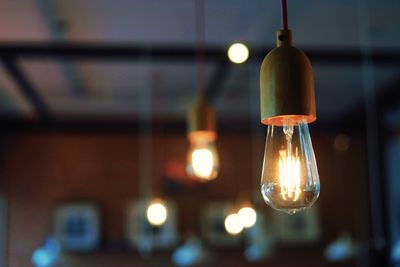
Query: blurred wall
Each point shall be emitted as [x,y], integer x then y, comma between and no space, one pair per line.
[41,170]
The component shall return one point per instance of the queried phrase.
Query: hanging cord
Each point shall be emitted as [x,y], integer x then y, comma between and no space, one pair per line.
[284,14]
[199,23]
[372,126]
[146,137]
[158,154]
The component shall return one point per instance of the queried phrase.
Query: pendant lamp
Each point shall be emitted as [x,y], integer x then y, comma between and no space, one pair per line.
[289,181]
[202,158]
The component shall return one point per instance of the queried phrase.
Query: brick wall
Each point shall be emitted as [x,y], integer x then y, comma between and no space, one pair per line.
[43,169]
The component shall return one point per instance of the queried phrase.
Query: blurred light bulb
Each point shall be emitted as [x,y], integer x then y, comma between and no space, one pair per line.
[289,177]
[156,213]
[238,53]
[233,224]
[247,216]
[203,161]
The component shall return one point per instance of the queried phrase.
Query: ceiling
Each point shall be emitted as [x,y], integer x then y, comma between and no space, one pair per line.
[123,89]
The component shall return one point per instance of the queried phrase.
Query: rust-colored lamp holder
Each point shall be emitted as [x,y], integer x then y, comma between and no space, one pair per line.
[286,84]
[286,81]
[201,116]
[201,121]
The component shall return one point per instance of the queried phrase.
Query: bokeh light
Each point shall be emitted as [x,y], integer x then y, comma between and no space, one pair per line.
[238,53]
[156,213]
[247,216]
[233,225]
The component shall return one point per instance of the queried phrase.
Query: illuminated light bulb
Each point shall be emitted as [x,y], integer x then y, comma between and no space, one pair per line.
[233,224]
[247,216]
[290,179]
[156,213]
[203,161]
[238,53]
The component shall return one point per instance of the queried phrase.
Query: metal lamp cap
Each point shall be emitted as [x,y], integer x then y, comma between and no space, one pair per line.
[286,84]
[201,121]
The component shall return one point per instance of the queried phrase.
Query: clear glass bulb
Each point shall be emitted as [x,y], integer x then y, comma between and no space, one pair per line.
[289,179]
[202,161]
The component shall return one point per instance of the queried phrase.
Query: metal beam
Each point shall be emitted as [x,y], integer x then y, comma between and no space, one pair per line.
[26,88]
[216,83]
[87,51]
[117,125]
[57,28]
[103,52]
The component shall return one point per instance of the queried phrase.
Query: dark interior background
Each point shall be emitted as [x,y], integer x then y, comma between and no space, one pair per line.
[83,83]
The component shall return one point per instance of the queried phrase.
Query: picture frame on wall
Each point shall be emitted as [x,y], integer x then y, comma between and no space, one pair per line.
[145,237]
[77,226]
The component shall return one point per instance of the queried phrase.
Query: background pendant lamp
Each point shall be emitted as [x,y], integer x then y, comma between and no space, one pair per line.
[202,159]
[289,179]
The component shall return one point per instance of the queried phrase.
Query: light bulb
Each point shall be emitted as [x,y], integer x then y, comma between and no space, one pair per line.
[238,53]
[203,161]
[156,213]
[289,179]
[232,224]
[247,216]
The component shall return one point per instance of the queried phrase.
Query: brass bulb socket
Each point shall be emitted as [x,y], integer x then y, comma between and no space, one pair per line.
[286,84]
[201,121]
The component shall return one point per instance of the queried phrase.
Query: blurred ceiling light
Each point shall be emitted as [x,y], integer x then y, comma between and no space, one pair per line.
[203,162]
[156,212]
[202,159]
[247,216]
[232,224]
[238,53]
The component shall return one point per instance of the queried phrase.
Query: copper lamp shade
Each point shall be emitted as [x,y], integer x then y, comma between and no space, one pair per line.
[201,121]
[286,84]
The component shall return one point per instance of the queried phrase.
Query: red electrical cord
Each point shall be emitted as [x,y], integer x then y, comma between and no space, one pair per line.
[284,14]
[200,40]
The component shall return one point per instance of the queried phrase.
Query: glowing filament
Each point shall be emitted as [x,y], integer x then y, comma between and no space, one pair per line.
[289,175]
[203,163]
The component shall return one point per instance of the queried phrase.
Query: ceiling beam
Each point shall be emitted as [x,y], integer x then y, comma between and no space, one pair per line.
[216,83]
[171,53]
[27,89]
[57,29]
[114,125]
